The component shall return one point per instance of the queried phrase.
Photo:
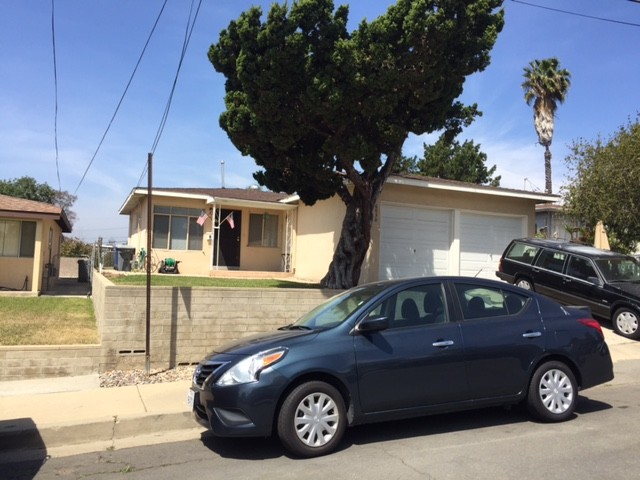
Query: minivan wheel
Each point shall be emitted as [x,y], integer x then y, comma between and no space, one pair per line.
[625,323]
[312,419]
[524,283]
[552,392]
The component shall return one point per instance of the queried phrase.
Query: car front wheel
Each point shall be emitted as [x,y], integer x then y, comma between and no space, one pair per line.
[553,392]
[312,419]
[524,283]
[625,323]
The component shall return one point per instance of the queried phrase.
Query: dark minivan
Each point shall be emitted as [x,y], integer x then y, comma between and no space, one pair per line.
[575,274]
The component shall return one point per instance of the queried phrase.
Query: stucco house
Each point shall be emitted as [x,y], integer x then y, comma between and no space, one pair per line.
[422,226]
[30,240]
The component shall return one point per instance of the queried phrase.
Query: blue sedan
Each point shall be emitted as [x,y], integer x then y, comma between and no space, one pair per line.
[399,349]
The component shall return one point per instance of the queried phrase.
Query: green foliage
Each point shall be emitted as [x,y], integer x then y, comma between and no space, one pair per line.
[451,161]
[314,104]
[29,189]
[74,247]
[602,185]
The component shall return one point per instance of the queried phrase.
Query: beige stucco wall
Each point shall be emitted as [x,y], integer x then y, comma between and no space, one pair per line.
[14,270]
[317,234]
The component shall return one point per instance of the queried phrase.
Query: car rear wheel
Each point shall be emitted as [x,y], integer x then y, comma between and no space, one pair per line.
[552,393]
[312,419]
[524,283]
[625,323]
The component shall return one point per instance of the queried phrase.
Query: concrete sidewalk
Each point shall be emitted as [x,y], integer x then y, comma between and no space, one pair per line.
[62,416]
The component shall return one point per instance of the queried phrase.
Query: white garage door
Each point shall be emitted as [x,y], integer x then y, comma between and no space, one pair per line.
[483,238]
[414,241]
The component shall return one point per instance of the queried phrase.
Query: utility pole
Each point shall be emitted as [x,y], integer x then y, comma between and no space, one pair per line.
[147,359]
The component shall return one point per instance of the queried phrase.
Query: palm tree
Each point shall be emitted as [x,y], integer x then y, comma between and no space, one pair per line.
[546,85]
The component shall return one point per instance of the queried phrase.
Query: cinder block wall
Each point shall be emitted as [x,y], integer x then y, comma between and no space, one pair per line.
[185,325]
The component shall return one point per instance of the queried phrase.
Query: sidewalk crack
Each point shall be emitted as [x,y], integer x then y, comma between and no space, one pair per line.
[146,410]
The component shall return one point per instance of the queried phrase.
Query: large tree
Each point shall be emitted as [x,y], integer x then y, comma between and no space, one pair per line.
[602,186]
[326,112]
[448,159]
[545,84]
[29,189]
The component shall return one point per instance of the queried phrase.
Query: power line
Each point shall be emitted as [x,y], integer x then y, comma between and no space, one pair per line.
[55,87]
[579,14]
[188,32]
[123,95]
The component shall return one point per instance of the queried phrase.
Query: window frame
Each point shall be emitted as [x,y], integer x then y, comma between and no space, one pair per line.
[24,238]
[269,233]
[176,229]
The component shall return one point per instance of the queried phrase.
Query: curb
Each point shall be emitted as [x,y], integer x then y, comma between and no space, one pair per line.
[24,434]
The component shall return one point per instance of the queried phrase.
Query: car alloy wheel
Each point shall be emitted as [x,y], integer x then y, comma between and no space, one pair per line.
[625,323]
[552,392]
[312,419]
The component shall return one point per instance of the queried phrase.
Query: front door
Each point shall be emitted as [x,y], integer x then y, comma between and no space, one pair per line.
[229,244]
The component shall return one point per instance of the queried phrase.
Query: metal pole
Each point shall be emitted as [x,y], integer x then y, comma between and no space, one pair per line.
[147,359]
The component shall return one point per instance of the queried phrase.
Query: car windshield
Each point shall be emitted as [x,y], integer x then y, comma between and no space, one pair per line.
[338,308]
[619,269]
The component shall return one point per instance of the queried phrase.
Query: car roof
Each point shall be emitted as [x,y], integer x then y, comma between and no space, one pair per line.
[572,247]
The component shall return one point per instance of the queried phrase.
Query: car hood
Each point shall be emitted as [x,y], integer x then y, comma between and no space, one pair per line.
[629,288]
[262,341]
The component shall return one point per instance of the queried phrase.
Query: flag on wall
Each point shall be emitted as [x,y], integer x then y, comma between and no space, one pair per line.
[202,218]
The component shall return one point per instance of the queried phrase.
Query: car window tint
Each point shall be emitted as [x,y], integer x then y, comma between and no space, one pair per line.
[522,253]
[415,306]
[619,269]
[581,268]
[481,302]
[551,260]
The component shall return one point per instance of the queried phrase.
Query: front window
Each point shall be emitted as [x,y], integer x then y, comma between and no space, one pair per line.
[176,228]
[263,230]
[619,269]
[17,238]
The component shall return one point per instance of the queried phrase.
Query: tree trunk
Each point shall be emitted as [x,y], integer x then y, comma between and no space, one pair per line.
[355,237]
[547,170]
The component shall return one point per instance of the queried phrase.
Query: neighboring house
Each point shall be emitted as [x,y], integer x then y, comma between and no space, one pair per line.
[553,223]
[30,239]
[422,226]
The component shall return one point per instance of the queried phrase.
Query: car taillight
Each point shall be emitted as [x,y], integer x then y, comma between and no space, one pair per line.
[590,322]
[500,265]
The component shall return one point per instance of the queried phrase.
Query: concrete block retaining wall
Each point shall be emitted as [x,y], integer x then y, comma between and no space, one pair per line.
[186,323]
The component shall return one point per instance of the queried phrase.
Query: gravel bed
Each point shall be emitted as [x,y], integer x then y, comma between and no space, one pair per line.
[122,378]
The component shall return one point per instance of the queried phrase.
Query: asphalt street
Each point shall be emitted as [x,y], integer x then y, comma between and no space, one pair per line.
[600,442]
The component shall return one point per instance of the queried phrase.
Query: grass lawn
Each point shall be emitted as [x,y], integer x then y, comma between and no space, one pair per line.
[185,281]
[47,321]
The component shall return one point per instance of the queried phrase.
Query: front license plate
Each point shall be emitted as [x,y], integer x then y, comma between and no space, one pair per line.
[191,398]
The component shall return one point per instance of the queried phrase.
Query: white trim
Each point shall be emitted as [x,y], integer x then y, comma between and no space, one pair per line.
[471,188]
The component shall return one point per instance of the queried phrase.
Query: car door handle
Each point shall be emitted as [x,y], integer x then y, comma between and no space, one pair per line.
[532,334]
[442,343]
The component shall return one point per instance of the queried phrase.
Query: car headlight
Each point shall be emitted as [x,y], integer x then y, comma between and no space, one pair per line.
[248,370]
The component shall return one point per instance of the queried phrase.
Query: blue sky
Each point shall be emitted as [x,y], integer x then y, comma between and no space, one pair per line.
[98,43]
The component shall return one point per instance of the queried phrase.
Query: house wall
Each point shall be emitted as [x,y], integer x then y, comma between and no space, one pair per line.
[317,234]
[14,270]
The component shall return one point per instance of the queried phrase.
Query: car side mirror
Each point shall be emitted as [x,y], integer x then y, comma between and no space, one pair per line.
[373,324]
[594,280]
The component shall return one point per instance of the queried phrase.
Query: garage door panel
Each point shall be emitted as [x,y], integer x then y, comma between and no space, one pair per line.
[414,242]
[483,238]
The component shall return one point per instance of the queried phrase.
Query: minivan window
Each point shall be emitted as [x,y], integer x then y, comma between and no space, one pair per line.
[551,260]
[522,253]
